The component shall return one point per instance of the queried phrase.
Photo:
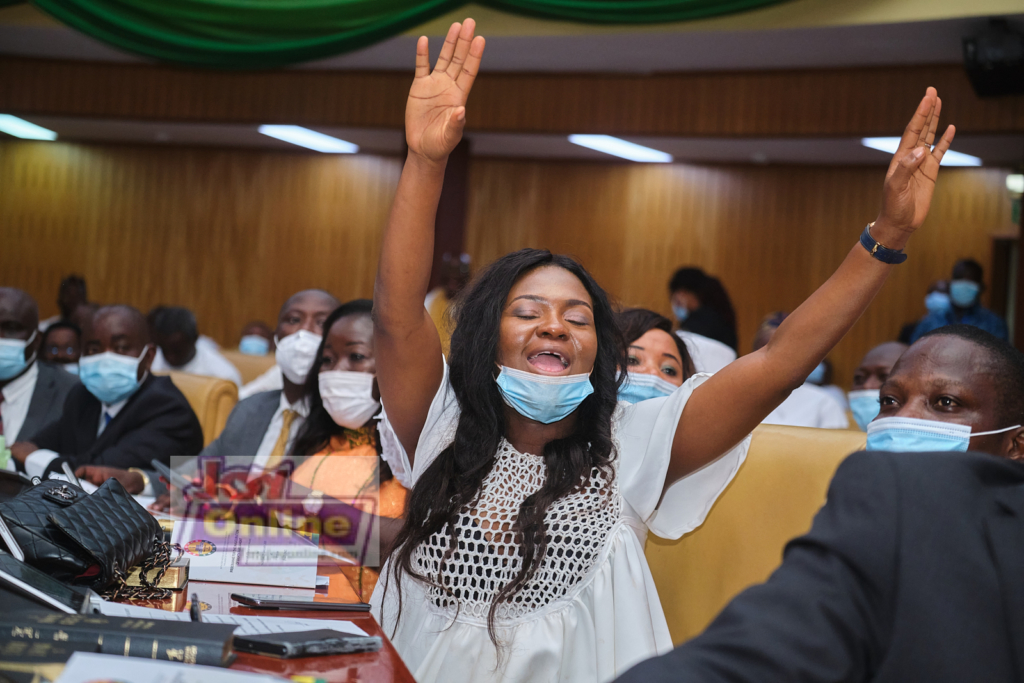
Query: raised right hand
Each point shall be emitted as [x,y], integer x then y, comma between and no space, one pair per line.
[435,113]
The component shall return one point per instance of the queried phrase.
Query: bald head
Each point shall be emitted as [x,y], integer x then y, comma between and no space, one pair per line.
[305,310]
[18,305]
[874,369]
[122,330]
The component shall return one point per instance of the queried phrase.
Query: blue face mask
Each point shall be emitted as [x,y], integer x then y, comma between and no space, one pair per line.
[543,398]
[12,357]
[254,345]
[864,405]
[817,375]
[911,435]
[680,312]
[640,386]
[71,367]
[964,293]
[109,376]
[937,302]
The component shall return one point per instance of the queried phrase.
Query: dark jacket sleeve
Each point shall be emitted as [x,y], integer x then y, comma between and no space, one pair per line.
[825,614]
[172,431]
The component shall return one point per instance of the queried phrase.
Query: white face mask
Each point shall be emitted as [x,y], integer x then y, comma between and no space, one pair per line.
[348,397]
[295,354]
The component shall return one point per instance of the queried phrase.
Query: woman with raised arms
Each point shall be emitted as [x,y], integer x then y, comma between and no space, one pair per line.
[521,558]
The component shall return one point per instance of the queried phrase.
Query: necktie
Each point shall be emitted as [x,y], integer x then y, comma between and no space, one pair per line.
[277,453]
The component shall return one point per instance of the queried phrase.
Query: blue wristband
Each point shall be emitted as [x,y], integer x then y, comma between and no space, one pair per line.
[879,251]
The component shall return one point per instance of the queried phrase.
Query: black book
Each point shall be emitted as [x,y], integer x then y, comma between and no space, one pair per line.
[175,641]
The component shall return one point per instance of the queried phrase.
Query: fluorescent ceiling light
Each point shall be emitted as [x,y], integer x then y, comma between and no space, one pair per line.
[950,158]
[20,128]
[304,137]
[621,148]
[1015,183]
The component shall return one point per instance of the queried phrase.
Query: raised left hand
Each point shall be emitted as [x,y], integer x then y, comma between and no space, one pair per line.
[910,180]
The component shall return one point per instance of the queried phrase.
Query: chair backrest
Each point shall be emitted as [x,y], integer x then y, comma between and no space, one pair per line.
[773,499]
[212,399]
[249,367]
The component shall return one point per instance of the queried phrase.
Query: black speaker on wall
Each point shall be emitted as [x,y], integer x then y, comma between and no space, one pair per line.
[994,60]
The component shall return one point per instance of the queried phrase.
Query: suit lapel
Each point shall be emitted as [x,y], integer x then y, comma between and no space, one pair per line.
[43,395]
[254,437]
[116,428]
[1005,525]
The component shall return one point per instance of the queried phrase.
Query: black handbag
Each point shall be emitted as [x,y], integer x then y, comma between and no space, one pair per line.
[92,540]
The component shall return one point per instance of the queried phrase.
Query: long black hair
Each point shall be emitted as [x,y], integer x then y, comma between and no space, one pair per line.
[636,322]
[453,481]
[318,429]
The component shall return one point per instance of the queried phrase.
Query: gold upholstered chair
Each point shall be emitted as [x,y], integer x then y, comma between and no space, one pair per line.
[773,499]
[211,398]
[249,367]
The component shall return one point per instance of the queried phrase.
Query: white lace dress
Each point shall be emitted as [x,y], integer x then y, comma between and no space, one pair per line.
[591,610]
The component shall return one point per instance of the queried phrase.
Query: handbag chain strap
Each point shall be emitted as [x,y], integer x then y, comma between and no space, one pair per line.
[164,555]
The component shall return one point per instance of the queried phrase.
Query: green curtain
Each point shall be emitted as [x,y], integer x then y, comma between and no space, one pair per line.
[255,34]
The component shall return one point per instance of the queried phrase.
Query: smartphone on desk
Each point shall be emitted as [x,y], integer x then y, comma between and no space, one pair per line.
[297,602]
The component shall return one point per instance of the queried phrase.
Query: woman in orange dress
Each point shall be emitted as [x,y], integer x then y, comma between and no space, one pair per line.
[343,429]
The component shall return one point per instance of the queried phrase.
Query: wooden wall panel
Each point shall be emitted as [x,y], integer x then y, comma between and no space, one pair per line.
[808,102]
[230,234]
[771,234]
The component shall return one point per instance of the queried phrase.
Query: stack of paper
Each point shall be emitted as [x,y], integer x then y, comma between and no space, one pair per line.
[247,626]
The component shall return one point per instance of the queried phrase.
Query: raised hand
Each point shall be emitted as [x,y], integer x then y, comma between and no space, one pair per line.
[910,181]
[435,113]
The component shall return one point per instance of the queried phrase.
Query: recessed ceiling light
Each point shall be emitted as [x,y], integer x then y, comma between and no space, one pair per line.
[950,158]
[310,139]
[621,148]
[20,128]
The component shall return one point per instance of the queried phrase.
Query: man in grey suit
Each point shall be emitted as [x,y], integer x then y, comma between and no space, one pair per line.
[32,393]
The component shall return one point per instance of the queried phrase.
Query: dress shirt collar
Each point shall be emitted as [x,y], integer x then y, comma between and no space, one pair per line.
[17,388]
[301,406]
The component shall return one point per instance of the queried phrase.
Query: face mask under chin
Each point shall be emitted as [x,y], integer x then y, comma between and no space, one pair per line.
[543,398]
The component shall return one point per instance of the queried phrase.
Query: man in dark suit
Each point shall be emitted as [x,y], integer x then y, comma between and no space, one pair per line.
[914,569]
[120,415]
[259,425]
[31,392]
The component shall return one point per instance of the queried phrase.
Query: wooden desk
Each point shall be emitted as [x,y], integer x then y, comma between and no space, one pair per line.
[382,666]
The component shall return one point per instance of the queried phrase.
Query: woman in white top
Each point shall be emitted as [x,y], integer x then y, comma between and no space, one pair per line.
[521,558]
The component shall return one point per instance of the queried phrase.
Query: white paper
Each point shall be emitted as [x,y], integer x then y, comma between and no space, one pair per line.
[248,554]
[247,625]
[85,667]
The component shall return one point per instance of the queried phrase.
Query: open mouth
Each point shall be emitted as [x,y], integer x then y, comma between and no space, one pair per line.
[548,361]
